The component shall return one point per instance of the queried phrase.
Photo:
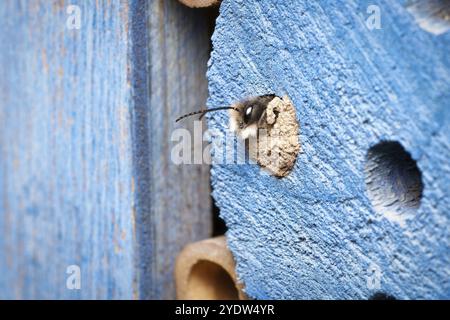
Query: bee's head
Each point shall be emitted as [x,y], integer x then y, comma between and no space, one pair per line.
[248,114]
[245,116]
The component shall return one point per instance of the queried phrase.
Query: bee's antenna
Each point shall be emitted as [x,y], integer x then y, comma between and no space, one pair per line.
[203,112]
[189,114]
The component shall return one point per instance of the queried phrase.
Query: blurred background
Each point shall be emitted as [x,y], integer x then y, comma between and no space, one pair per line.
[91,205]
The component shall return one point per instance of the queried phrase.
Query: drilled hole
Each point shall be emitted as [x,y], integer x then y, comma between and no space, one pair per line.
[393,181]
[209,281]
[431,15]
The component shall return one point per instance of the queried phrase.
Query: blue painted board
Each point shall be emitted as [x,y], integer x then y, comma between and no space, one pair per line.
[316,234]
[85,171]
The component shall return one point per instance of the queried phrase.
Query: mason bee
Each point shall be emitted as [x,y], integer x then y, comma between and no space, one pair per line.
[277,143]
[246,116]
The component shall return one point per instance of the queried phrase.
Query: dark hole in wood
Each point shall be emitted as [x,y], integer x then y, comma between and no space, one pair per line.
[393,180]
[219,227]
[381,296]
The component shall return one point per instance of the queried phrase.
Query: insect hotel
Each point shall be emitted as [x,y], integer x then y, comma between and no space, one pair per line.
[319,167]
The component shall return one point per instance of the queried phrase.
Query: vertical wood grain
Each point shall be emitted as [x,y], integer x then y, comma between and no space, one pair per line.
[67,184]
[179,51]
[85,171]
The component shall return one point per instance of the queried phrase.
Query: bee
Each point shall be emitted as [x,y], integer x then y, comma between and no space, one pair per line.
[246,116]
[277,144]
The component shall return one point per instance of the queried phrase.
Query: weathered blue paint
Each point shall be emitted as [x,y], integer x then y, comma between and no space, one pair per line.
[85,171]
[66,153]
[315,234]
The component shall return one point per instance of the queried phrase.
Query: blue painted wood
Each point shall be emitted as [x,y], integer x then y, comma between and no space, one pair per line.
[315,234]
[66,153]
[85,172]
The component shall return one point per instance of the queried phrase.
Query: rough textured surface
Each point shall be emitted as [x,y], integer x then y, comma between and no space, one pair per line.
[315,234]
[277,146]
[85,117]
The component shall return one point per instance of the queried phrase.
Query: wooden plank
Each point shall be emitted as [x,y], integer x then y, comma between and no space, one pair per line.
[316,234]
[85,177]
[66,153]
[179,51]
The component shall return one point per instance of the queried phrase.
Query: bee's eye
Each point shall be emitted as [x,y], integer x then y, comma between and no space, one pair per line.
[248,113]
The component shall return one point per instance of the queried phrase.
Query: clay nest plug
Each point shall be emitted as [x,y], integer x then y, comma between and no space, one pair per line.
[277,142]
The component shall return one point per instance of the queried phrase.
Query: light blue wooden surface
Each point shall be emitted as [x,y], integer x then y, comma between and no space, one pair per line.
[66,153]
[315,233]
[85,171]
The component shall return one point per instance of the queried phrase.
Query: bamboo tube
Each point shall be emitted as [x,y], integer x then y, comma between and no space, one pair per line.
[205,270]
[199,3]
